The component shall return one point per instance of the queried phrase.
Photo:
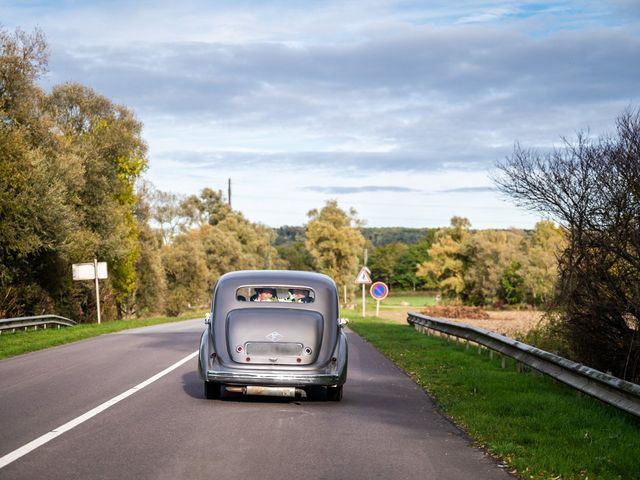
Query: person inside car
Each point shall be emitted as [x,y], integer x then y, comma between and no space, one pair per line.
[299,295]
[264,295]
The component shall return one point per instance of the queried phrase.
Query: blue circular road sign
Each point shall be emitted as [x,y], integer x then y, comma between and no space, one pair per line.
[379,290]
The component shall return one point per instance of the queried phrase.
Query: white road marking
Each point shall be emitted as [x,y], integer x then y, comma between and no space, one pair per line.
[31,446]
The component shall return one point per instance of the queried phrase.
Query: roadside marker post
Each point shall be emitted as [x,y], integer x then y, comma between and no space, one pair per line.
[379,291]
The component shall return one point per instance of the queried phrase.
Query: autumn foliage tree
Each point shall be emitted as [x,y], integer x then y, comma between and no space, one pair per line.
[493,267]
[335,242]
[592,188]
[69,161]
[105,141]
[214,239]
[447,258]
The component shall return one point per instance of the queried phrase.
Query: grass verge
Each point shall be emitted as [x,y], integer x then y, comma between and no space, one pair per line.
[540,429]
[12,344]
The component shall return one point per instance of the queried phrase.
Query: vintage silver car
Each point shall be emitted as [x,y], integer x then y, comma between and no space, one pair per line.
[274,332]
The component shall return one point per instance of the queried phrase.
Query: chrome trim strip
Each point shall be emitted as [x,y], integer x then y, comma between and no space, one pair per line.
[246,378]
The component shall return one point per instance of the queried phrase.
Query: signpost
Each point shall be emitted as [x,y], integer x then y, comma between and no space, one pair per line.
[379,291]
[363,278]
[91,271]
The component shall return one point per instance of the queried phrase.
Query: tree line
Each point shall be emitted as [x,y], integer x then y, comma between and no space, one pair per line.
[476,267]
[190,241]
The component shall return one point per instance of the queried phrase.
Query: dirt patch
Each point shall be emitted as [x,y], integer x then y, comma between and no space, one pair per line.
[505,322]
[457,311]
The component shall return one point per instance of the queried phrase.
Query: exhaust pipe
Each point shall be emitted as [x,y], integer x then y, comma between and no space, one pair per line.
[268,391]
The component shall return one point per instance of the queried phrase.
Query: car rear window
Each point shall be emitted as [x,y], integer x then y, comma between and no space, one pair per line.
[268,293]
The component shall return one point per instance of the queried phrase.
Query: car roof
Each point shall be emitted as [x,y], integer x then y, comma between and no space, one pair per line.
[224,296]
[274,278]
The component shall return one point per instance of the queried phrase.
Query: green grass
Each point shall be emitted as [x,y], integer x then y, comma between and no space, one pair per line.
[398,300]
[12,344]
[541,429]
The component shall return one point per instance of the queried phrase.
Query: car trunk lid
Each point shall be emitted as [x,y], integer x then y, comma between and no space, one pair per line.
[276,336]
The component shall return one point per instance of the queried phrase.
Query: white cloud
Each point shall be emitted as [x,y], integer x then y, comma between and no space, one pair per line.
[386,93]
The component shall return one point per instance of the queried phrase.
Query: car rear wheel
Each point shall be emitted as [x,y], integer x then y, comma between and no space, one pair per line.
[212,390]
[334,394]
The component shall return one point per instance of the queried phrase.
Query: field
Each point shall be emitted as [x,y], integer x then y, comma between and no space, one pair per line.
[505,322]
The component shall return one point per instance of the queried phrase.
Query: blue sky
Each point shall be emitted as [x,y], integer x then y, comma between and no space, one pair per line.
[399,109]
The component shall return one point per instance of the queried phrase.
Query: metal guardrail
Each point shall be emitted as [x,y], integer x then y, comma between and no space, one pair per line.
[35,322]
[612,390]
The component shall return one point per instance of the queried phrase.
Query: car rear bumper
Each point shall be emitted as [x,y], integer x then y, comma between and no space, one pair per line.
[275,378]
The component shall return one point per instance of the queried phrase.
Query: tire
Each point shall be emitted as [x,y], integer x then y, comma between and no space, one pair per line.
[212,390]
[334,394]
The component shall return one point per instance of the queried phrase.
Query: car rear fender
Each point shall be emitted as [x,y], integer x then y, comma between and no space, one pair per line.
[207,352]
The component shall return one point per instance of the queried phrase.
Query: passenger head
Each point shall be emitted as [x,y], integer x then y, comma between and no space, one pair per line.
[299,294]
[265,294]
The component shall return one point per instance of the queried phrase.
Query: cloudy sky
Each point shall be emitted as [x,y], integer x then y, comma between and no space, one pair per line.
[399,109]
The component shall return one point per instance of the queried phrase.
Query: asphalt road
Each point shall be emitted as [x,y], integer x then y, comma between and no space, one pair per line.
[385,427]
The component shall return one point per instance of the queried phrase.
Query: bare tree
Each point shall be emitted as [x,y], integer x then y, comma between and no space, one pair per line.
[167,213]
[592,188]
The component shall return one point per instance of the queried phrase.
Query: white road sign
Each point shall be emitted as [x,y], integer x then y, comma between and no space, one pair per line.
[91,271]
[363,277]
[85,271]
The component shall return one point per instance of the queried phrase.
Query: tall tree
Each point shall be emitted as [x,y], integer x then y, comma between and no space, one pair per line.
[220,239]
[335,242]
[494,261]
[168,212]
[384,262]
[185,264]
[107,139]
[296,256]
[234,242]
[540,271]
[210,207]
[592,188]
[23,58]
[37,215]
[447,258]
[151,290]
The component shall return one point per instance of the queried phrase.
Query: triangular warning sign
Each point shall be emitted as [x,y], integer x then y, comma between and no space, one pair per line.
[363,277]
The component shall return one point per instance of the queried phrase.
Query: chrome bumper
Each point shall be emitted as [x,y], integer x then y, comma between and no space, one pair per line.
[274,379]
